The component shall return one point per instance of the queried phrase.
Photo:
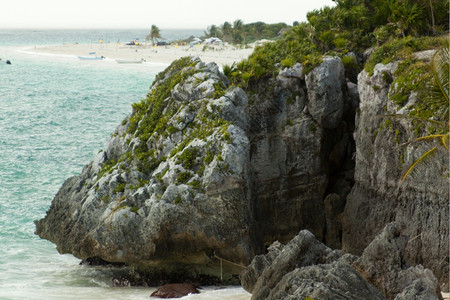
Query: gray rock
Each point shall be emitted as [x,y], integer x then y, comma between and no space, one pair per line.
[417,291]
[332,281]
[302,250]
[259,263]
[378,197]
[306,268]
[326,85]
[382,264]
[159,206]
[296,71]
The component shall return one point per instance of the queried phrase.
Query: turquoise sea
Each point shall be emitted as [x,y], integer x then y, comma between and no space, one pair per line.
[56,113]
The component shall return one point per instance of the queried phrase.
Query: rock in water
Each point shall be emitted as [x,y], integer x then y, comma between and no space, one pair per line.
[170,192]
[175,290]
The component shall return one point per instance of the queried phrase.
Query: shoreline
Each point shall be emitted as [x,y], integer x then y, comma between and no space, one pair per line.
[221,55]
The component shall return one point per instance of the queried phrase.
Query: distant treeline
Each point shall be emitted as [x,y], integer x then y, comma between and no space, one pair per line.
[240,33]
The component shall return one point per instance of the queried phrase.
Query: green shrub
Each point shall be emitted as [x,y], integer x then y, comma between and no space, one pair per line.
[183,177]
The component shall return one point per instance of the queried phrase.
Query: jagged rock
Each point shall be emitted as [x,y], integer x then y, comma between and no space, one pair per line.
[259,263]
[306,267]
[417,291]
[196,173]
[171,190]
[326,85]
[296,71]
[302,250]
[336,281]
[382,264]
[175,290]
[378,197]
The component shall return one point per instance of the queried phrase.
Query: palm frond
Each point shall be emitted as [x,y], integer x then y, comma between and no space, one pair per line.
[417,118]
[424,156]
[431,137]
[444,141]
[440,67]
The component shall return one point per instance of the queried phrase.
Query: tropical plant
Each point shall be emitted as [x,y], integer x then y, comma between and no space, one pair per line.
[212,31]
[438,95]
[154,34]
[237,34]
[407,16]
[226,29]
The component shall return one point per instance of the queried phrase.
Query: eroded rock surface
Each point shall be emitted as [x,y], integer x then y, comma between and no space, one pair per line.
[378,197]
[171,189]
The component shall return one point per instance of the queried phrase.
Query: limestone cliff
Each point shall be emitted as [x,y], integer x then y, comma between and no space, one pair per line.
[202,171]
[420,203]
[171,190]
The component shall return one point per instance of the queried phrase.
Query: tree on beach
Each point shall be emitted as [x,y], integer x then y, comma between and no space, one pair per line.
[226,29]
[154,34]
[212,31]
[238,26]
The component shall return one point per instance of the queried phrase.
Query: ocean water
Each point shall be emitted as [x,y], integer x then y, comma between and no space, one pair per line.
[56,113]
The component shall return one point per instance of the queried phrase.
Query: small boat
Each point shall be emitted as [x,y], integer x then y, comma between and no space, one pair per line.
[91,57]
[130,61]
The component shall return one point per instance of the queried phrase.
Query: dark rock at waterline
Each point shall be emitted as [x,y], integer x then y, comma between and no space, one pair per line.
[175,290]
[97,261]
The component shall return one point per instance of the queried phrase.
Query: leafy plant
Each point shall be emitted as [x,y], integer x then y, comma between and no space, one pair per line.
[438,94]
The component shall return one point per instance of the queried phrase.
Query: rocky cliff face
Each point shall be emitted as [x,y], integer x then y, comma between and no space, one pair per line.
[202,173]
[420,203]
[171,191]
[300,140]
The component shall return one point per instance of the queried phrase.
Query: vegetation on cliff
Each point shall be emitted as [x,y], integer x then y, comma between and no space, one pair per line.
[347,30]
[365,33]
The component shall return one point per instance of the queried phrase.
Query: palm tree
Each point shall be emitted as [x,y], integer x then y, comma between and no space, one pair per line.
[408,16]
[154,34]
[226,31]
[212,31]
[238,27]
[438,95]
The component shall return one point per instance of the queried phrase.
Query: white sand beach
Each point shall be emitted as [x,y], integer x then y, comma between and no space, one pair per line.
[220,54]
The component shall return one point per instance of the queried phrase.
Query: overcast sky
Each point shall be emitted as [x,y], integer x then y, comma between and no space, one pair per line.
[143,13]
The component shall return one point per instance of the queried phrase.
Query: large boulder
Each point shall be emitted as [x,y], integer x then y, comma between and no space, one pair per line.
[199,174]
[383,264]
[305,268]
[170,193]
[334,281]
[174,290]
[303,250]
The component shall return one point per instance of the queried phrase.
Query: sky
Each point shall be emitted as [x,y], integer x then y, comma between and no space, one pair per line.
[166,14]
